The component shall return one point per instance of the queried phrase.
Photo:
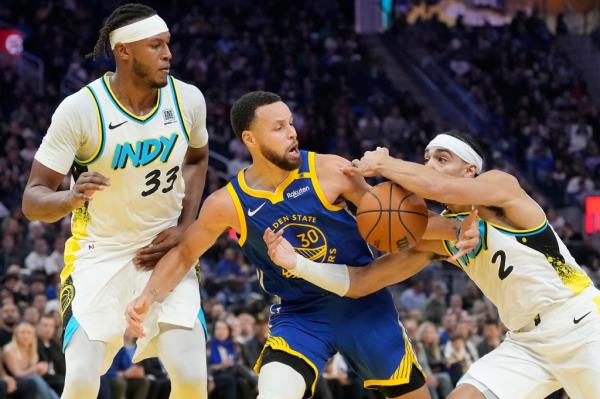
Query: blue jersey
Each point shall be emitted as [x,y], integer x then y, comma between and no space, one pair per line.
[317,229]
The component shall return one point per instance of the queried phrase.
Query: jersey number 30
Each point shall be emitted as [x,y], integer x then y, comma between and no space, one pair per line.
[153,181]
[503,271]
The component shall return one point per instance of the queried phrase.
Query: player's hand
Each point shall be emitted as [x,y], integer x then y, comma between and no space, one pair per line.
[135,313]
[147,257]
[86,185]
[280,250]
[369,164]
[11,384]
[468,238]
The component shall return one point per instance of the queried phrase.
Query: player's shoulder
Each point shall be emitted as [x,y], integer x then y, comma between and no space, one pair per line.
[331,161]
[188,92]
[77,103]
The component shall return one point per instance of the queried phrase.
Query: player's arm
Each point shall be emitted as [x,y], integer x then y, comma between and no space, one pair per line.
[42,201]
[358,281]
[67,134]
[352,186]
[217,214]
[195,166]
[493,188]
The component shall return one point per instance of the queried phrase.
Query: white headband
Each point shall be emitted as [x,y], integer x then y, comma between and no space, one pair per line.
[138,30]
[458,147]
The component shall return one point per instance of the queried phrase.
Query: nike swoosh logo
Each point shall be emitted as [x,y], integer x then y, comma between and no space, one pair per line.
[253,212]
[111,126]
[581,318]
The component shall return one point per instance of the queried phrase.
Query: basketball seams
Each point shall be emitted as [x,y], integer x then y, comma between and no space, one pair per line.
[378,216]
[400,217]
[395,210]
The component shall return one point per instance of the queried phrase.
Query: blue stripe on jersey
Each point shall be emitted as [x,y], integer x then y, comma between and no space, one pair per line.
[315,232]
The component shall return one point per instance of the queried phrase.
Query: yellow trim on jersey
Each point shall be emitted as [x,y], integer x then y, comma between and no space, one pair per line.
[71,248]
[240,213]
[517,231]
[124,109]
[274,197]
[447,248]
[177,96]
[278,343]
[100,128]
[315,182]
[81,217]
[402,374]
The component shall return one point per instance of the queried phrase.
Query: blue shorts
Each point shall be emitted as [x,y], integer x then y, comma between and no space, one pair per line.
[366,331]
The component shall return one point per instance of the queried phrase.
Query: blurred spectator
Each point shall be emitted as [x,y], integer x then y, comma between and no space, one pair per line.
[37,259]
[492,337]
[50,351]
[413,298]
[31,315]
[435,307]
[13,388]
[221,360]
[160,384]
[339,381]
[22,360]
[458,359]
[429,347]
[10,318]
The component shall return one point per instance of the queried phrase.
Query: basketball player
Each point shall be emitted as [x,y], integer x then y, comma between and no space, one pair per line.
[137,143]
[303,195]
[546,300]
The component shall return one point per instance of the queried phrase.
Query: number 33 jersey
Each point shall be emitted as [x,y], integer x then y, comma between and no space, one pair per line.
[522,272]
[141,155]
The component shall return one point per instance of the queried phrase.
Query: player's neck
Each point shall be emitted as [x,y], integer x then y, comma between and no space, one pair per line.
[265,176]
[132,93]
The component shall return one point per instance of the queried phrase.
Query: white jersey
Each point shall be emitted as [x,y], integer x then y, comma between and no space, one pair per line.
[142,157]
[523,272]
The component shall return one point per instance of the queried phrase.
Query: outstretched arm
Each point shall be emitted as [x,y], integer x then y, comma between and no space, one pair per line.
[493,188]
[355,282]
[217,214]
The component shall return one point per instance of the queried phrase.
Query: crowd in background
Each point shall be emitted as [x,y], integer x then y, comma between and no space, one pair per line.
[343,103]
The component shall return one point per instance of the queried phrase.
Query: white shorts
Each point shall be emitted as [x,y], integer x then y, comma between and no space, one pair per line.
[96,293]
[563,350]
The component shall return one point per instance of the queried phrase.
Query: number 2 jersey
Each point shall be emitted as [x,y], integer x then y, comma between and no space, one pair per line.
[141,155]
[522,272]
[317,230]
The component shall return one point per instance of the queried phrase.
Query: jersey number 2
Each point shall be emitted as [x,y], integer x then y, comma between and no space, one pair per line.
[503,271]
[153,181]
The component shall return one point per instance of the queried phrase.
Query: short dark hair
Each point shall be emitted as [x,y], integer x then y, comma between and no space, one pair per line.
[121,16]
[243,109]
[492,322]
[468,139]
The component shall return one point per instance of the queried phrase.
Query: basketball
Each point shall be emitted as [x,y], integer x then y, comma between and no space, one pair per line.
[391,218]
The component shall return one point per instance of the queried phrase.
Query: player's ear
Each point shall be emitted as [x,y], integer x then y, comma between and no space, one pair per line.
[121,51]
[248,138]
[471,171]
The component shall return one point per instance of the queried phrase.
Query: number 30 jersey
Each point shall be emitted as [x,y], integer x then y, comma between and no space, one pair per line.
[521,271]
[141,155]
[317,229]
